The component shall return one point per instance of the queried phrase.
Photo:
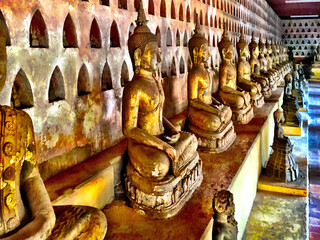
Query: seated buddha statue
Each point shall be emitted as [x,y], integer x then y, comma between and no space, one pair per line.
[290,104]
[164,167]
[255,69]
[229,92]
[282,164]
[270,66]
[276,63]
[209,119]
[244,74]
[26,210]
[264,66]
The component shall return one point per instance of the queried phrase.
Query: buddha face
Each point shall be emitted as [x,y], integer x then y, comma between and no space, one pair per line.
[151,58]
[255,51]
[228,53]
[203,54]
[244,51]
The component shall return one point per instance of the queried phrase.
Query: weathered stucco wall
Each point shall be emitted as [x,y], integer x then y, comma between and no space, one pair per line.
[73,126]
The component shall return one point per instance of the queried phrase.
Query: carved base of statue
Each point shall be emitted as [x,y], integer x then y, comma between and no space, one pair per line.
[290,109]
[164,198]
[258,102]
[282,165]
[266,92]
[214,142]
[225,226]
[299,95]
[78,222]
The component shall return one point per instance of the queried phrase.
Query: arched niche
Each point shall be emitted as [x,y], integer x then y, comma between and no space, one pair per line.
[206,20]
[178,38]
[163,10]
[56,86]
[194,16]
[151,7]
[181,12]
[211,21]
[21,95]
[104,2]
[38,33]
[169,38]
[106,78]
[83,87]
[124,74]
[173,10]
[188,14]
[185,39]
[114,35]
[95,35]
[122,4]
[4,27]
[173,67]
[69,33]
[131,29]
[137,4]
[182,66]
[158,35]
[201,18]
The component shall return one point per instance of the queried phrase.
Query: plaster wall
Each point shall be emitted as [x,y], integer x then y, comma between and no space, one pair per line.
[78,124]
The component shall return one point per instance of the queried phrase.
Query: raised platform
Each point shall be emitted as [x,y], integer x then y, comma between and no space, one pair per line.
[236,169]
[291,130]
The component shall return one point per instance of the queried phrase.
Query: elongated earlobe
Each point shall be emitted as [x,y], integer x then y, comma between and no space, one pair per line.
[137,60]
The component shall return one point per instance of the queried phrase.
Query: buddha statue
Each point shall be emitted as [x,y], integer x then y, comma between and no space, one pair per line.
[302,77]
[208,119]
[296,88]
[282,164]
[264,66]
[290,104]
[270,65]
[255,69]
[230,94]
[244,74]
[26,210]
[318,53]
[225,227]
[164,167]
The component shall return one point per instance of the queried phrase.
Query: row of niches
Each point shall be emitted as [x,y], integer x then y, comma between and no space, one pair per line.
[303,47]
[22,94]
[39,33]
[285,36]
[305,41]
[305,54]
[300,24]
[298,30]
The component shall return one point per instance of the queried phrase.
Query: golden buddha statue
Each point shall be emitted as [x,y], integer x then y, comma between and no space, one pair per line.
[255,69]
[209,119]
[244,74]
[276,63]
[164,167]
[230,94]
[26,210]
[269,56]
[264,66]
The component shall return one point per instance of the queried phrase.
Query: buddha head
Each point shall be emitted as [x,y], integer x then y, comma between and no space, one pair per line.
[269,47]
[226,48]
[254,47]
[143,46]
[198,46]
[278,116]
[242,46]
[288,83]
[262,48]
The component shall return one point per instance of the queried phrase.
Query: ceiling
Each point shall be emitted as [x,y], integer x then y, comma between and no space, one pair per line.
[287,8]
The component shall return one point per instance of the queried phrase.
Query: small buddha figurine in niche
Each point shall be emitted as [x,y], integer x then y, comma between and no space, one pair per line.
[230,94]
[264,66]
[225,227]
[244,74]
[275,72]
[282,164]
[290,104]
[26,210]
[209,119]
[255,69]
[164,167]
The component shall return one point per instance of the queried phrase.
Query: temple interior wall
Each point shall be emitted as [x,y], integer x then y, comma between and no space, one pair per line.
[68,62]
[302,35]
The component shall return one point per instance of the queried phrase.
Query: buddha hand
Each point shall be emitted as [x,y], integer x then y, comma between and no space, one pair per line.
[172,137]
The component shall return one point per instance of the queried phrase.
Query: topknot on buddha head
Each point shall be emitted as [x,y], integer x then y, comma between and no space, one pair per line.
[242,45]
[262,46]
[197,42]
[253,45]
[141,37]
[225,45]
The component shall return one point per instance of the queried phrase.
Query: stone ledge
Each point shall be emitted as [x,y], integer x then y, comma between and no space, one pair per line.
[227,170]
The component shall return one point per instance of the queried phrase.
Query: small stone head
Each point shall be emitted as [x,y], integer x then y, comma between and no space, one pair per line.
[242,46]
[226,48]
[223,202]
[143,47]
[278,116]
[198,46]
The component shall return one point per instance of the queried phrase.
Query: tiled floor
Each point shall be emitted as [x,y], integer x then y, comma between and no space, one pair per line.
[314,161]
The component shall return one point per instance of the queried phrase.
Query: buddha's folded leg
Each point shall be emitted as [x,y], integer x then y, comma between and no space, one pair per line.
[204,120]
[232,100]
[148,161]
